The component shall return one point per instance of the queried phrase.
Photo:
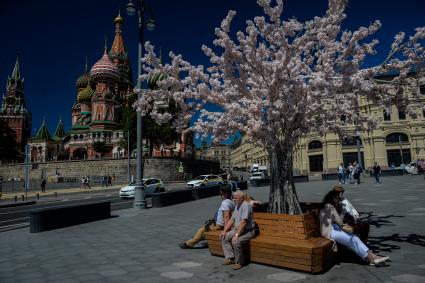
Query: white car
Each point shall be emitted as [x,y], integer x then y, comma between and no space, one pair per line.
[151,185]
[411,168]
[257,176]
[205,180]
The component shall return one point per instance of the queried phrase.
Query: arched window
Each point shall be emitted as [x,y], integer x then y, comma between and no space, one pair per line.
[315,145]
[397,137]
[351,141]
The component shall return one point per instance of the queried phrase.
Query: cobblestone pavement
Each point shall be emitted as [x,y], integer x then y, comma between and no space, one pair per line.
[142,246]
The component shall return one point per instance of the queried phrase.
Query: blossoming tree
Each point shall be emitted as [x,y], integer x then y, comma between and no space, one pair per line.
[280,80]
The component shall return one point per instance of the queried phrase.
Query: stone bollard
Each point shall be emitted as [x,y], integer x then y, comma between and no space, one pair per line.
[22,197]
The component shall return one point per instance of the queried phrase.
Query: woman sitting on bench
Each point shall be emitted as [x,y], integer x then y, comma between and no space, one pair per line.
[333,227]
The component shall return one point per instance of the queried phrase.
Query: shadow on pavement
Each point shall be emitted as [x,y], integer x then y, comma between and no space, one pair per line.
[378,221]
[384,244]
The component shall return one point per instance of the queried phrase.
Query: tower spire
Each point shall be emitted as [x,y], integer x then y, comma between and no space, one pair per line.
[16,73]
[118,44]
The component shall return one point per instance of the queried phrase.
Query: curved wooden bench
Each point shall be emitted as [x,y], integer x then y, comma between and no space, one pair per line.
[291,241]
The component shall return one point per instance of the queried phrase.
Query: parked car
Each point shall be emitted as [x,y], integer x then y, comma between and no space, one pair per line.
[204,181]
[411,168]
[151,185]
[257,176]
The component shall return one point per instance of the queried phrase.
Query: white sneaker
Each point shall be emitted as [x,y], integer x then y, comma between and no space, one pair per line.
[379,261]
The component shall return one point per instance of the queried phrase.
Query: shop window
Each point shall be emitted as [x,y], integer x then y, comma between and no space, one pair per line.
[397,137]
[351,141]
[315,145]
[387,116]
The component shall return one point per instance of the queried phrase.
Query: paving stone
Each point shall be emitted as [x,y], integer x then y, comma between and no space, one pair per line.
[286,276]
[177,274]
[187,264]
[410,278]
[113,272]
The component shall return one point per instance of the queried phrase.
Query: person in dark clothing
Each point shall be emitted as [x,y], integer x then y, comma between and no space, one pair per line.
[43,186]
[377,172]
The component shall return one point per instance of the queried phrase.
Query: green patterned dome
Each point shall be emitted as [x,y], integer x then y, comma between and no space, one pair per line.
[83,80]
[86,94]
[153,79]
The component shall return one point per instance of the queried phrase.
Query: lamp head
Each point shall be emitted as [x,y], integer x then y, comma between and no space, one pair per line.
[150,25]
[131,8]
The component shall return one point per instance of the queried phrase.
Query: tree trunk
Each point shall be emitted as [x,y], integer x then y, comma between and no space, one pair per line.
[283,197]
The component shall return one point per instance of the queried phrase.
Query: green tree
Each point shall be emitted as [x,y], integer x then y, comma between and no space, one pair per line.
[8,146]
[154,133]
[99,147]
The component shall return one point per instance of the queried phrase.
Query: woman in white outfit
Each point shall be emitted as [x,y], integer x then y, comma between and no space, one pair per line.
[333,227]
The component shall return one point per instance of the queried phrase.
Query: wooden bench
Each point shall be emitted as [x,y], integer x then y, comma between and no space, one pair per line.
[290,241]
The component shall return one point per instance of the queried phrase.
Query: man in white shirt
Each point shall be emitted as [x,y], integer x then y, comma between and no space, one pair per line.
[220,220]
[238,231]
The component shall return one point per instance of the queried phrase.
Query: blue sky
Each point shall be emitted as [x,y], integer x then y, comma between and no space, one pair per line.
[54,37]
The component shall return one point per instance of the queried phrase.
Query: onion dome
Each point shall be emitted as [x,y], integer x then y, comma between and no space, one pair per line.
[119,19]
[82,80]
[86,94]
[153,79]
[104,69]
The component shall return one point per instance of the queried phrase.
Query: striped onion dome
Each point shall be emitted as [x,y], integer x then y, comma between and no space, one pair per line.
[153,79]
[86,94]
[104,69]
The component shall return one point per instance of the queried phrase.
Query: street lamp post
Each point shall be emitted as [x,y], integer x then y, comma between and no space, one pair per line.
[149,23]
[359,155]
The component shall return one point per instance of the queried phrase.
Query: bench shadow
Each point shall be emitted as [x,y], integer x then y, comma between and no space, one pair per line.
[378,221]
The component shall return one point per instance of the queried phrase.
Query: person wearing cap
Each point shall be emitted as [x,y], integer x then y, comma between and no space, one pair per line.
[221,218]
[237,232]
[333,227]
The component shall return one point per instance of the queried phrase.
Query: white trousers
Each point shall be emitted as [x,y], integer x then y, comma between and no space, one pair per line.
[349,240]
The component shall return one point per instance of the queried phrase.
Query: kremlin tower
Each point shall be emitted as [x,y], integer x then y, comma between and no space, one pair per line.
[13,109]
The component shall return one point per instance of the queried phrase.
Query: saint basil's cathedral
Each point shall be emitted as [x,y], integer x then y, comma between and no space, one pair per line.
[101,94]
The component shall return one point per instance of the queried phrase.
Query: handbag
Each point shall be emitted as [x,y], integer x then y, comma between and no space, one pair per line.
[347,228]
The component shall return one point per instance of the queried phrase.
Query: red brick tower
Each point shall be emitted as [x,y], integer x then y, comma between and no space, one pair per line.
[13,109]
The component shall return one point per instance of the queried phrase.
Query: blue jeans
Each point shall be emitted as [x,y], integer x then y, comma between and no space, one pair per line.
[349,240]
[377,178]
[341,178]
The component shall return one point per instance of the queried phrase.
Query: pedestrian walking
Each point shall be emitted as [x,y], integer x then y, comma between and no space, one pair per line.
[88,182]
[403,168]
[109,180]
[350,173]
[376,172]
[83,182]
[341,171]
[1,184]
[43,185]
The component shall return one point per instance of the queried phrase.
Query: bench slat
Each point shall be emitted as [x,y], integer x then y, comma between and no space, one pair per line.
[279,263]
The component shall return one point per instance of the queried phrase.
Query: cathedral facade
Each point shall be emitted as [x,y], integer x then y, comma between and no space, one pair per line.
[101,94]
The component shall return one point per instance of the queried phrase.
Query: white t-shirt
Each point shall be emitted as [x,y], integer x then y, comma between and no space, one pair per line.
[226,204]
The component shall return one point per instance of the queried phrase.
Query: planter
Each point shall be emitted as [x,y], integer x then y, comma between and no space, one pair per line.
[170,198]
